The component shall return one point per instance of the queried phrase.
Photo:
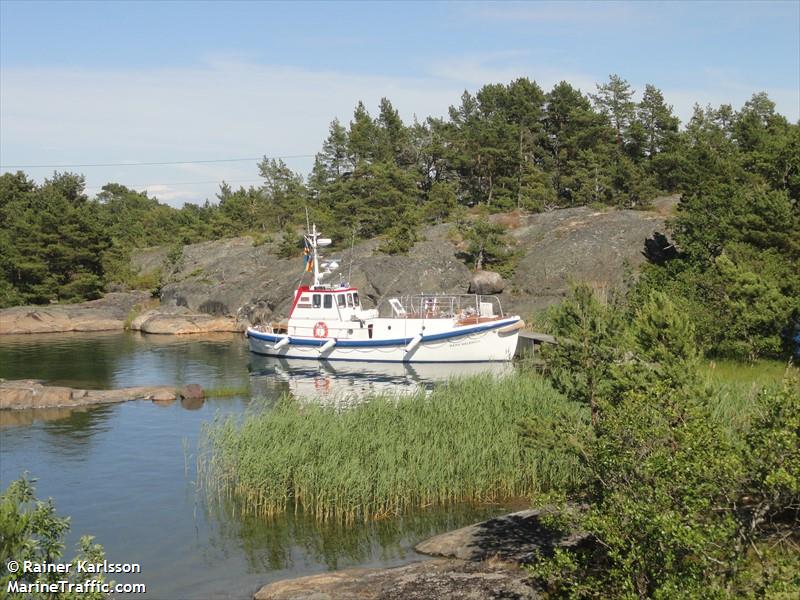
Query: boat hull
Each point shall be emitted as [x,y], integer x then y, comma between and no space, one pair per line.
[496,341]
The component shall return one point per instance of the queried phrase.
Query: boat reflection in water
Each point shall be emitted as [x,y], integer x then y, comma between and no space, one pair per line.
[345,384]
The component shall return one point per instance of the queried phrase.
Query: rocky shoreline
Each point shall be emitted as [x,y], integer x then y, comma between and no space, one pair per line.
[28,393]
[108,313]
[481,561]
[117,311]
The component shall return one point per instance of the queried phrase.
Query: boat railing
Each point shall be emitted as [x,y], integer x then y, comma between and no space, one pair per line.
[462,307]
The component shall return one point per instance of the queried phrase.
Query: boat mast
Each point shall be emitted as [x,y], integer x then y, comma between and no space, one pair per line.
[314,256]
[312,238]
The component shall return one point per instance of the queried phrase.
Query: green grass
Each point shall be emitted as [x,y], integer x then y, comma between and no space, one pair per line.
[736,386]
[758,373]
[461,443]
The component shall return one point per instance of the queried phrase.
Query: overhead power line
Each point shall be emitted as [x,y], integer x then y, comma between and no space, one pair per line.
[142,185]
[153,164]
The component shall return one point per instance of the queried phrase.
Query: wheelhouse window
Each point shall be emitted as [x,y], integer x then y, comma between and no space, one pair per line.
[350,300]
[355,298]
[328,301]
[316,300]
[341,300]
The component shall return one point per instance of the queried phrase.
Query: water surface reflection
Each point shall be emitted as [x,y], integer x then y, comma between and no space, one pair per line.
[126,473]
[342,383]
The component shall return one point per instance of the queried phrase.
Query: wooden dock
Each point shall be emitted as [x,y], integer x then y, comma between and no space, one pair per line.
[529,342]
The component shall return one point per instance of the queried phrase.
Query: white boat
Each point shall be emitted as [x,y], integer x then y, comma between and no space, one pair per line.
[328,322]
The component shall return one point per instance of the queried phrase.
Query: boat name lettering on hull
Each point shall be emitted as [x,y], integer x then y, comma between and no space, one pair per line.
[464,343]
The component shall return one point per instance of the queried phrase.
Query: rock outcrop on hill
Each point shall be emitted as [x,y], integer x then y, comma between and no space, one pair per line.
[578,245]
[237,278]
[225,285]
[234,277]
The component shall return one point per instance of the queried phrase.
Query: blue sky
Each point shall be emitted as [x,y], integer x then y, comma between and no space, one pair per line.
[117,82]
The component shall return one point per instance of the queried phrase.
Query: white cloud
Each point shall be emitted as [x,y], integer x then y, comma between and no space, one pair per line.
[168,194]
[475,70]
[225,109]
[232,109]
[730,86]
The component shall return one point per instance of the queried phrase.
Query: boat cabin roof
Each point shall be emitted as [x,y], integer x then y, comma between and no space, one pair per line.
[303,292]
[323,289]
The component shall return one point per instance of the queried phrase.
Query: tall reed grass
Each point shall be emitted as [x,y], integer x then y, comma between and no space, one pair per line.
[460,443]
[735,387]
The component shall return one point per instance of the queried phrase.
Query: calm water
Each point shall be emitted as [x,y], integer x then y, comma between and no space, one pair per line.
[125,473]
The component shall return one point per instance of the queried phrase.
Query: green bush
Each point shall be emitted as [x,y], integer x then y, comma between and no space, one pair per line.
[31,530]
[684,498]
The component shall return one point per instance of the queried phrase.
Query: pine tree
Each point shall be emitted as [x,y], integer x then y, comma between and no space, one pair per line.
[614,100]
[363,138]
[284,192]
[660,126]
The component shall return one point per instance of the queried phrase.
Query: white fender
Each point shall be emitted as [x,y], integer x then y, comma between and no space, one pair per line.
[327,346]
[513,327]
[415,341]
[284,342]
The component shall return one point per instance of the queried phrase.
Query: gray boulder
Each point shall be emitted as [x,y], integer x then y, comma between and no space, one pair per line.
[486,282]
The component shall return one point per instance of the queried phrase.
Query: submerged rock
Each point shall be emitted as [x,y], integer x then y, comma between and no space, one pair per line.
[30,393]
[192,403]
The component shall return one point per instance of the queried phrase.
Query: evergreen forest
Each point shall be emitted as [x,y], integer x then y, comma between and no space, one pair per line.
[731,265]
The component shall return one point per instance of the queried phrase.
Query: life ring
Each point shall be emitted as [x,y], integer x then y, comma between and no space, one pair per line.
[322,384]
[320,330]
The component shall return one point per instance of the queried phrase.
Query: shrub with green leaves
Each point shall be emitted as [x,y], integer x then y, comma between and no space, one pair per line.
[680,503]
[31,530]
[488,246]
[589,343]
